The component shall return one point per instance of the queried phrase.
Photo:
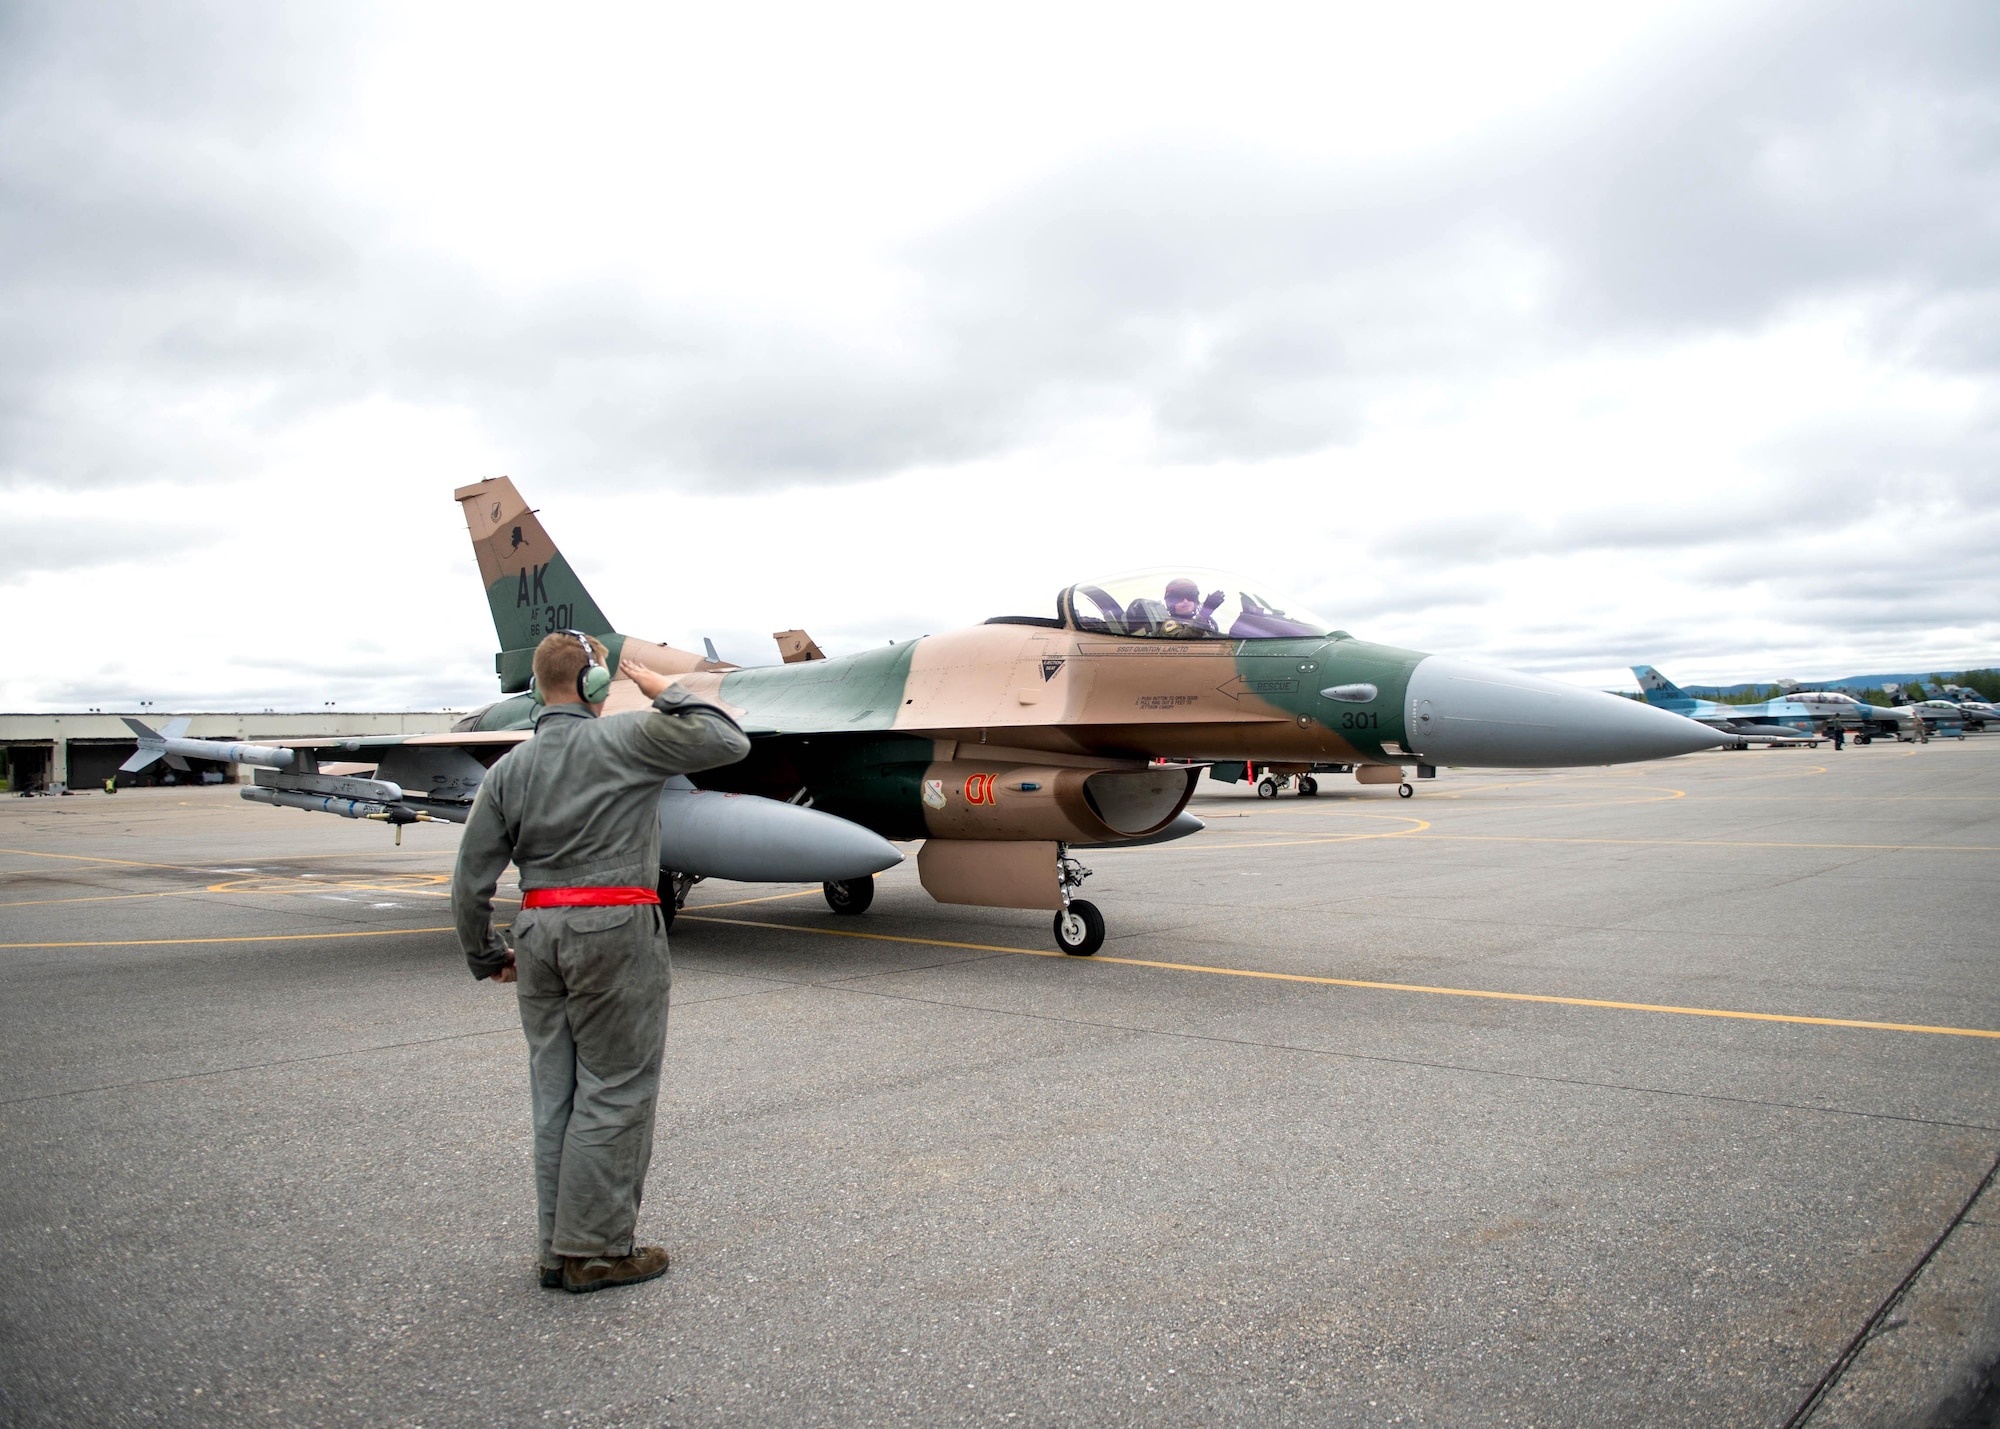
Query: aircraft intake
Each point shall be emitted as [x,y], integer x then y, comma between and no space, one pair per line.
[964,799]
[751,839]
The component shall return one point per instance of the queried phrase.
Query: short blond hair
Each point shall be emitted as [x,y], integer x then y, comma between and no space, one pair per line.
[559,660]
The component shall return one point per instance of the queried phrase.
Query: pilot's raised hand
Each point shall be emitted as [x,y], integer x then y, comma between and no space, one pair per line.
[1215,598]
[650,682]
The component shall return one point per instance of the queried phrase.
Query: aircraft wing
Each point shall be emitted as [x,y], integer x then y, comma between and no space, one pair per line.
[397,779]
[1762,733]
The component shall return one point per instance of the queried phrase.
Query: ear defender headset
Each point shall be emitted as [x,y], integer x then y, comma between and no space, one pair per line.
[593,681]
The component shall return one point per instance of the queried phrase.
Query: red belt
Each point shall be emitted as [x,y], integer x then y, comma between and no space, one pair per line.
[586,897]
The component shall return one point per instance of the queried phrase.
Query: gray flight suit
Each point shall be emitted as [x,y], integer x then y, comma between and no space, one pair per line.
[577,806]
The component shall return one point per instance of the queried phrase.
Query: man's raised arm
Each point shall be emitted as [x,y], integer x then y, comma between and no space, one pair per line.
[682,733]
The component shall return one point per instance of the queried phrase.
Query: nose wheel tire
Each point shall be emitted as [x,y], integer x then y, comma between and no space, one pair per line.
[1080,929]
[1267,788]
[1404,791]
[850,895]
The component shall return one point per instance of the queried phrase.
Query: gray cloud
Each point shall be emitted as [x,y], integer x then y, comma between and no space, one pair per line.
[165,237]
[42,543]
[169,247]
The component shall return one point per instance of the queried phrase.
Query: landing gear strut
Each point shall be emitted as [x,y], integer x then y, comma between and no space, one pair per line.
[673,890]
[1079,926]
[850,895]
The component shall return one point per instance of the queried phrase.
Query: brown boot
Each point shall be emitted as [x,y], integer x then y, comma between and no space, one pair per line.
[551,1277]
[582,1274]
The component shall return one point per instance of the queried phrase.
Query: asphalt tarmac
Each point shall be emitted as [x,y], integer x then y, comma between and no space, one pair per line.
[1618,1096]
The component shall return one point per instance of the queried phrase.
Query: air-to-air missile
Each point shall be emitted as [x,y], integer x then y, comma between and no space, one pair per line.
[703,833]
[169,744]
[1003,747]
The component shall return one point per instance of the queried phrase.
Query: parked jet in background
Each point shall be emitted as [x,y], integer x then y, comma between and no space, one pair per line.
[1977,712]
[1860,719]
[1940,717]
[1003,746]
[1780,721]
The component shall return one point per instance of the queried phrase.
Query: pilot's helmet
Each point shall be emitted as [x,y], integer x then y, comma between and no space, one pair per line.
[1182,589]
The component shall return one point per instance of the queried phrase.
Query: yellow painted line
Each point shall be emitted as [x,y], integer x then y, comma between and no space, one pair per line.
[290,891]
[86,858]
[739,902]
[250,938]
[307,937]
[1387,986]
[1719,843]
[1238,836]
[289,884]
[102,898]
[231,888]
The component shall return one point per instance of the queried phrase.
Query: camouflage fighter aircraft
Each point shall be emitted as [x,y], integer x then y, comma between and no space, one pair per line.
[1796,716]
[1004,747]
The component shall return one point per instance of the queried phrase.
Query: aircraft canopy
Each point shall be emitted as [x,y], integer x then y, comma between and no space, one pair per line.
[1187,603]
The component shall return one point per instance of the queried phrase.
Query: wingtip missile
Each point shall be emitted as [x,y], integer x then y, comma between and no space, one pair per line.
[169,744]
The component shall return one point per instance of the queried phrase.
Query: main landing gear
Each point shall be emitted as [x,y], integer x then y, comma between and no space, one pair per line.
[850,895]
[1304,785]
[1079,926]
[673,891]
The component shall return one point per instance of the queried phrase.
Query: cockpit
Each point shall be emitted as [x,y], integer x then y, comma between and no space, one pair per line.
[1186,603]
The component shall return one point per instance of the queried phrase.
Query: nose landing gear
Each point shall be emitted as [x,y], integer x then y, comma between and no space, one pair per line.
[1079,926]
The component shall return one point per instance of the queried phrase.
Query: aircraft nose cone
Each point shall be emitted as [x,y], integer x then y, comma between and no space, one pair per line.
[1464,713]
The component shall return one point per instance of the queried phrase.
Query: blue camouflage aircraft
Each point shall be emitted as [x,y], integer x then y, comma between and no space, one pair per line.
[1799,717]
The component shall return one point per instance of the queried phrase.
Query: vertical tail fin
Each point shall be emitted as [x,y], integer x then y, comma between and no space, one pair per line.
[529,586]
[1659,689]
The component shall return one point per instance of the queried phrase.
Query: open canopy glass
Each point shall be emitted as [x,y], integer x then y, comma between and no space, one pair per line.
[1187,603]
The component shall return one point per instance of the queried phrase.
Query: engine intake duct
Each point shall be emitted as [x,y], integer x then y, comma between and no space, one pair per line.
[965,799]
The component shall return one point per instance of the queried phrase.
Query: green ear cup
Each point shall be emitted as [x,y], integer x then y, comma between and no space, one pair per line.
[593,683]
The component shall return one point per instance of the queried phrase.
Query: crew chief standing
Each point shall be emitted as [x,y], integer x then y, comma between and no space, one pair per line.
[576,809]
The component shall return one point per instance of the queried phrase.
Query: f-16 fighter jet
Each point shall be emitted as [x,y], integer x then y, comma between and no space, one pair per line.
[1005,747]
[1859,718]
[1939,717]
[1795,718]
[1976,712]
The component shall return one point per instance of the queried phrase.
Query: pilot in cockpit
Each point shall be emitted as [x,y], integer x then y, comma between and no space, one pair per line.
[1182,597]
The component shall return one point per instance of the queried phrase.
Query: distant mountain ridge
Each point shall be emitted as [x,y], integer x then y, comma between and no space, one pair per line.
[1852,684]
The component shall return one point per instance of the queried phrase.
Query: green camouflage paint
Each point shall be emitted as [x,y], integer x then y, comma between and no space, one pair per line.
[1289,675]
[854,692]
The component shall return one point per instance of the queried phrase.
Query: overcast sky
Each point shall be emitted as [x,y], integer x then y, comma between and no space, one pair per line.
[1568,336]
